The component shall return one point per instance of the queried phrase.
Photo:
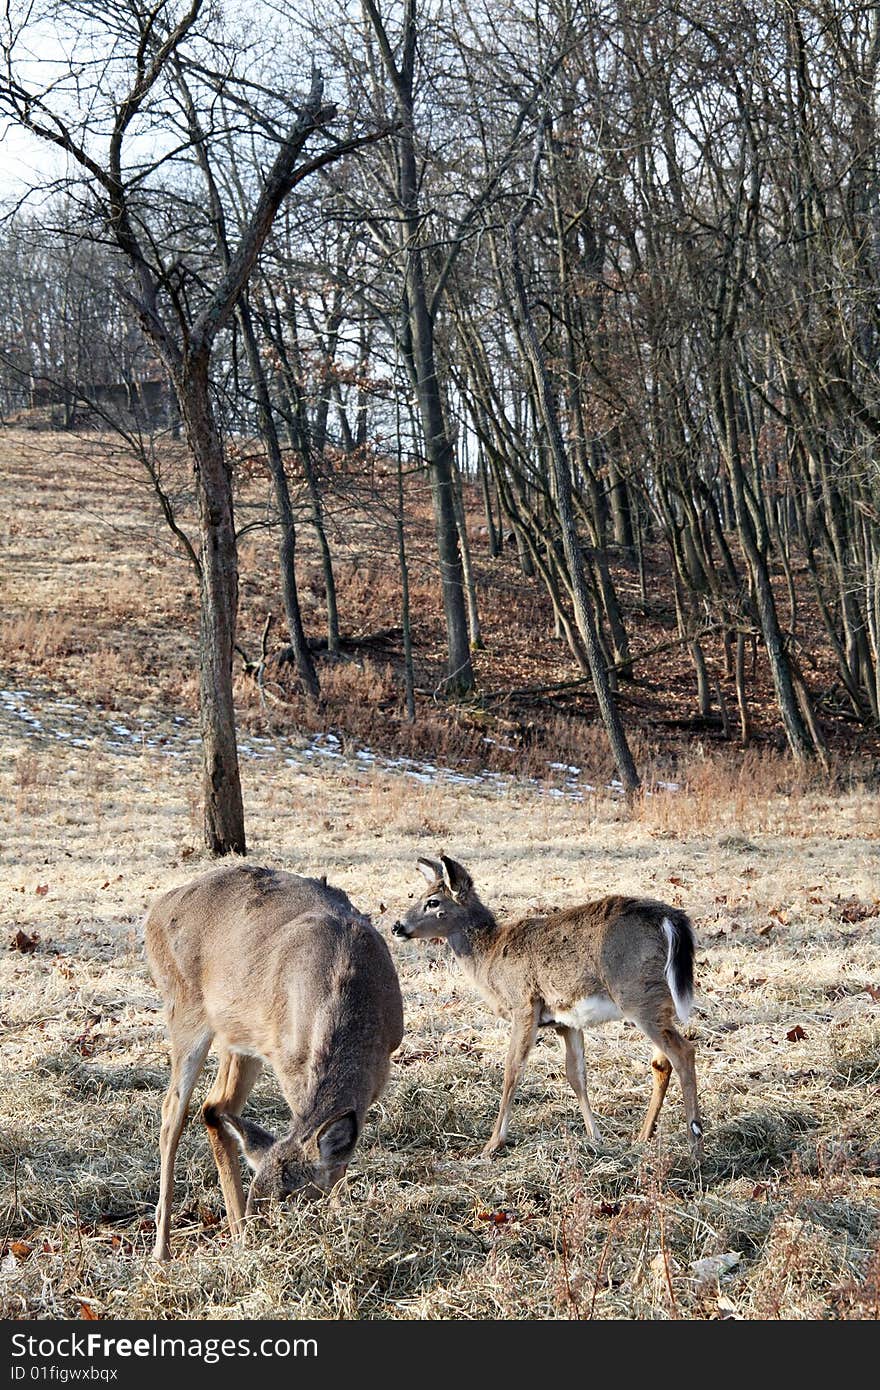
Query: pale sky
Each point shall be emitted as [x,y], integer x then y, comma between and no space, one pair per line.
[25,161]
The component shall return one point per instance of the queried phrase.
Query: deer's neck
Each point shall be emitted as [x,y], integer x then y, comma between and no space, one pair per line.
[472,942]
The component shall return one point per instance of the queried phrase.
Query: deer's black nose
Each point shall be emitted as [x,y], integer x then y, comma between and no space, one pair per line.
[399,930]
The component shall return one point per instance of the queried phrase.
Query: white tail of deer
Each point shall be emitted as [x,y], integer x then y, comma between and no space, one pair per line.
[277,969]
[618,958]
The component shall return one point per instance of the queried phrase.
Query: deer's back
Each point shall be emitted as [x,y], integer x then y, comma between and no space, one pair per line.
[259,953]
[578,952]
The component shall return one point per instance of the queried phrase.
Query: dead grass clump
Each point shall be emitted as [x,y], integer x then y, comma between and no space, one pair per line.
[755,790]
[857,1061]
[32,783]
[757,1143]
[573,743]
[858,1298]
[38,638]
[28,771]
[799,1263]
[354,681]
[409,807]
[110,673]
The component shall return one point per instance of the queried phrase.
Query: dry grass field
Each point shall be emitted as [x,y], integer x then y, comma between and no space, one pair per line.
[99,777]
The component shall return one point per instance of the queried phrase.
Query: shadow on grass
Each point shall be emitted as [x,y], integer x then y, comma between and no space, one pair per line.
[756,1144]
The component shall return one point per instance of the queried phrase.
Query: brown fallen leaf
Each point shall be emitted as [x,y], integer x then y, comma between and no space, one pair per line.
[87,1311]
[796,1034]
[20,1249]
[84,1042]
[41,890]
[24,943]
[873,991]
[855,911]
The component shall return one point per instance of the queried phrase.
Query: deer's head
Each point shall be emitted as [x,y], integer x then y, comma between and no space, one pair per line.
[290,1167]
[449,904]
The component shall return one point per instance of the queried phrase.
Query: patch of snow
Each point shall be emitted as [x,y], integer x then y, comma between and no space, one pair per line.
[62,718]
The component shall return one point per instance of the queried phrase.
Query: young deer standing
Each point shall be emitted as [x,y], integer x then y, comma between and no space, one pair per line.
[282,970]
[616,958]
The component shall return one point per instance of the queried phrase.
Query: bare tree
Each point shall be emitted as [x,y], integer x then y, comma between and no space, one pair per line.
[133,149]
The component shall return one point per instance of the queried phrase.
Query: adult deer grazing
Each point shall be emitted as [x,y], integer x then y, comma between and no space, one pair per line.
[282,970]
[627,958]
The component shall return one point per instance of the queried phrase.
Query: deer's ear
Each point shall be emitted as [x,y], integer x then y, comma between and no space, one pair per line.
[254,1141]
[456,877]
[430,870]
[336,1139]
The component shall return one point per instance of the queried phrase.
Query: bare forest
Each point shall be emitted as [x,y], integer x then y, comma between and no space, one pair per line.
[446,428]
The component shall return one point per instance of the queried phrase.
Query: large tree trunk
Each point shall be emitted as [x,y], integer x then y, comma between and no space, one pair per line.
[223,807]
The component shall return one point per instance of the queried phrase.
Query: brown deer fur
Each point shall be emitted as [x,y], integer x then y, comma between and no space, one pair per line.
[629,958]
[282,970]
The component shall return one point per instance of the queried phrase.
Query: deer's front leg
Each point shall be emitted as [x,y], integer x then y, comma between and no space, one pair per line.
[522,1040]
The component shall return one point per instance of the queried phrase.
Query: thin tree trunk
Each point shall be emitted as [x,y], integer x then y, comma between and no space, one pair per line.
[494,547]
[704,691]
[408,674]
[302,657]
[417,341]
[309,444]
[740,676]
[796,731]
[470,583]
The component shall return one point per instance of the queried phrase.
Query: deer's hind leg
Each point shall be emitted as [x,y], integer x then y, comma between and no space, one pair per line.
[235,1081]
[661,1071]
[671,1047]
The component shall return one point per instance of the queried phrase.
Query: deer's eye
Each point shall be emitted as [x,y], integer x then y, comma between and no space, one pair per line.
[432,902]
